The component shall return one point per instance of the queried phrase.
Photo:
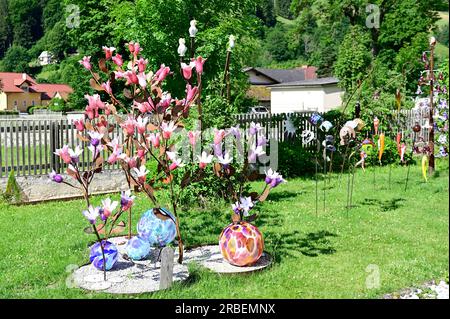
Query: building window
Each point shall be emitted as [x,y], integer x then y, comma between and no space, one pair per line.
[32,103]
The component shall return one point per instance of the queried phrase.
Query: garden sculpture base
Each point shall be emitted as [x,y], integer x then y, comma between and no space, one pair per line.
[134,277]
[210,257]
[127,276]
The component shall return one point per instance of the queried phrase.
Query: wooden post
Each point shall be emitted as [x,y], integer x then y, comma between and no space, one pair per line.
[166,275]
[431,165]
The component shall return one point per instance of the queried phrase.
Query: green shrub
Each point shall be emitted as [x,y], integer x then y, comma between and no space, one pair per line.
[57,105]
[294,160]
[12,193]
[390,154]
[31,109]
[9,112]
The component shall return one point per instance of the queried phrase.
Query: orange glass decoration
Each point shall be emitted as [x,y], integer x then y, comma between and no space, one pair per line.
[241,244]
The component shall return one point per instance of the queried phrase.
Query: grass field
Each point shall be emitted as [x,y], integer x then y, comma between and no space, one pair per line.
[404,234]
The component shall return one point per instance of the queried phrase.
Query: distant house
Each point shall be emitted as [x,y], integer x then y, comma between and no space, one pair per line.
[261,78]
[21,91]
[320,95]
[45,58]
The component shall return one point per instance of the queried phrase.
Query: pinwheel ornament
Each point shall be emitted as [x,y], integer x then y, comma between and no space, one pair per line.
[307,136]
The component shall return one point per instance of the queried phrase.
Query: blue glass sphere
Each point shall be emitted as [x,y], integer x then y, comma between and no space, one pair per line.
[155,231]
[138,248]
[111,255]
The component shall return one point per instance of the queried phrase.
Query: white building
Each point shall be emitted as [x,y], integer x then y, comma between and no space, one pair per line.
[319,95]
[45,58]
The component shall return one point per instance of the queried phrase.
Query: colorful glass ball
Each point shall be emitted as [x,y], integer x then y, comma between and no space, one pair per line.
[315,119]
[111,255]
[241,244]
[155,231]
[138,248]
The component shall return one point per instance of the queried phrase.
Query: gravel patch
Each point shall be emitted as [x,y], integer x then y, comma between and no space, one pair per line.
[430,290]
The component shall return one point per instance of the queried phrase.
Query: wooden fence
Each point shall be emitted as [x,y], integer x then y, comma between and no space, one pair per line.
[27,145]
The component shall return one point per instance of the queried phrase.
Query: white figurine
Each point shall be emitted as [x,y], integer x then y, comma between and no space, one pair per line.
[193,29]
[182,47]
[231,42]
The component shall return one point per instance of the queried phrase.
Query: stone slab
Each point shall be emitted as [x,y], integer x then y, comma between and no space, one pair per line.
[210,257]
[40,188]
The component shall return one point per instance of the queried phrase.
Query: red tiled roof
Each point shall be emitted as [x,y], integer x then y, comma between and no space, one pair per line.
[12,81]
[49,90]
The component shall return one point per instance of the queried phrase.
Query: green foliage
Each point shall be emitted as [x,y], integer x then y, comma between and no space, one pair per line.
[25,19]
[57,105]
[266,12]
[294,160]
[15,60]
[277,44]
[12,193]
[9,112]
[442,34]
[390,154]
[5,28]
[354,58]
[31,109]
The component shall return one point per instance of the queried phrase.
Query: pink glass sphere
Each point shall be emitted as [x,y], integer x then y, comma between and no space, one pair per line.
[241,244]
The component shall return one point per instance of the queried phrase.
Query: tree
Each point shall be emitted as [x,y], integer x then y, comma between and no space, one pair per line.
[168,20]
[277,44]
[16,60]
[353,58]
[53,12]
[5,29]
[266,12]
[442,35]
[25,19]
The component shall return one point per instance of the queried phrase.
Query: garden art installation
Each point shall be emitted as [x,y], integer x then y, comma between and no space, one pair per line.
[152,123]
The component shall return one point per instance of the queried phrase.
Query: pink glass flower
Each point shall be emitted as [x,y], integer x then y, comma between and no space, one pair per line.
[129,125]
[107,87]
[187,70]
[117,59]
[168,129]
[79,125]
[193,136]
[154,139]
[204,159]
[142,64]
[108,52]
[86,63]
[199,64]
[162,73]
[141,124]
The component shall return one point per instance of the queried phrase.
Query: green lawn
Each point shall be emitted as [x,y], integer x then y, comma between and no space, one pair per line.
[405,234]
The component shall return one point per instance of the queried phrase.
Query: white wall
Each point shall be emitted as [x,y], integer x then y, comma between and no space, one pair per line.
[285,100]
[295,99]
[3,101]
[333,97]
